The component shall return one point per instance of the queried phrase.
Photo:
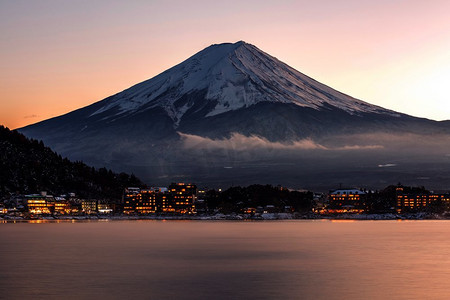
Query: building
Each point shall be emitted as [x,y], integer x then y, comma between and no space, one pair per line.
[40,203]
[179,198]
[347,201]
[139,201]
[415,201]
[62,206]
[145,201]
[104,207]
[270,209]
[249,210]
[163,201]
[183,197]
[89,206]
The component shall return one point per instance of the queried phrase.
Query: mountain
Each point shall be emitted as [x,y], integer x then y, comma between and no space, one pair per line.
[28,166]
[233,113]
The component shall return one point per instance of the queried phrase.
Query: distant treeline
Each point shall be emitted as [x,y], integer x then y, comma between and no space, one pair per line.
[236,199]
[28,166]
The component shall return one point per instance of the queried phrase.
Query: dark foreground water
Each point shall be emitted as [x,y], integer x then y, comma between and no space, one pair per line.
[225,260]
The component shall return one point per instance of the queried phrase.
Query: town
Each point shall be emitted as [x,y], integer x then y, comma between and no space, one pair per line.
[186,201]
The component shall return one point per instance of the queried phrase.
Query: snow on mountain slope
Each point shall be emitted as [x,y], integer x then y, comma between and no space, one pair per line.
[234,76]
[232,105]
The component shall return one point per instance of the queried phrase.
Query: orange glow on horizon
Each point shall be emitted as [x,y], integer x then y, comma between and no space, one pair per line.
[392,54]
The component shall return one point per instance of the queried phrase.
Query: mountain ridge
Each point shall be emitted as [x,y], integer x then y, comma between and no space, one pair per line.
[229,92]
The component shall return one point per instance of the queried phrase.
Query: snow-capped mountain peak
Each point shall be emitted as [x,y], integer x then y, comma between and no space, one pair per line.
[232,76]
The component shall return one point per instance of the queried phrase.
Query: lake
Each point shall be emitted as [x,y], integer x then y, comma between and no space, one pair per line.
[298,259]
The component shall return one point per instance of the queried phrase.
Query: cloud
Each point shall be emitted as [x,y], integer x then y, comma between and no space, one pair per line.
[240,142]
[387,165]
[358,147]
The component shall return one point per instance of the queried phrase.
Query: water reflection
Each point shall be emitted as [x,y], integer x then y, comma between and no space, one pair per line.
[225,260]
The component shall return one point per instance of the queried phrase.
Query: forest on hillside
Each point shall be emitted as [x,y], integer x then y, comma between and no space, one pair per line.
[28,166]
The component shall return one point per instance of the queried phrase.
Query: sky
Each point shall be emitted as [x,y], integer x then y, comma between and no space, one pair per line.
[58,55]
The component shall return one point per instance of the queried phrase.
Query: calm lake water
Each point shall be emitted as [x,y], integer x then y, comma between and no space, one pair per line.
[225,260]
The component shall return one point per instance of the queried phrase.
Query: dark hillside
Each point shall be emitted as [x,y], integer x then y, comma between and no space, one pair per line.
[28,166]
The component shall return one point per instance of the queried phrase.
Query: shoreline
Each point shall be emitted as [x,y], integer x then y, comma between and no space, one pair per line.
[222,217]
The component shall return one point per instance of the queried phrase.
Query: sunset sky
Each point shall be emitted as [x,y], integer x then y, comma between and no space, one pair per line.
[58,55]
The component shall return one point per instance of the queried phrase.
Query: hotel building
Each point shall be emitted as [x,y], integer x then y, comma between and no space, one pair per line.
[40,203]
[346,201]
[414,202]
[179,198]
